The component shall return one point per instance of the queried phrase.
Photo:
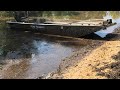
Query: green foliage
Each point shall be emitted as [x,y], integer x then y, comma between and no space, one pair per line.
[64,14]
[115,14]
[6,13]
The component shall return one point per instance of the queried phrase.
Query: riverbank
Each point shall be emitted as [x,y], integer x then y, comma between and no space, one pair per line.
[98,61]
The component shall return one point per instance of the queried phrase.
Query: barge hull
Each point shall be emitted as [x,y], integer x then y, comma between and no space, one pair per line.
[56,29]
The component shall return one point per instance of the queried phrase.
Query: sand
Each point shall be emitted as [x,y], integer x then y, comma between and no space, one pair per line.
[100,62]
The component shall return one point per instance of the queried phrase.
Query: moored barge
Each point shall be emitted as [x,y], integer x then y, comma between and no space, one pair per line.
[74,29]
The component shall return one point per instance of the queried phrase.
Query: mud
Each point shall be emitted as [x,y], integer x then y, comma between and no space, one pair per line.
[99,62]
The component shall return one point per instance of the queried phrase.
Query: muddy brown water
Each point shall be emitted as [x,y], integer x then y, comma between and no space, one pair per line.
[27,55]
[30,55]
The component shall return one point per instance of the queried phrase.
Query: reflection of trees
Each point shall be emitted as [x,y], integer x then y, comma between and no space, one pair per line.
[2,39]
[14,45]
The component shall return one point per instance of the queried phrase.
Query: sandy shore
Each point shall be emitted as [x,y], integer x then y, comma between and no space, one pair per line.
[98,61]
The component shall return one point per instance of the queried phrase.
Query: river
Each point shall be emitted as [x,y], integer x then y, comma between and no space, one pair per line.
[27,55]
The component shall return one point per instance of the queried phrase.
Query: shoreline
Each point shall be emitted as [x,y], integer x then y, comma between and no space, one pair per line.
[99,62]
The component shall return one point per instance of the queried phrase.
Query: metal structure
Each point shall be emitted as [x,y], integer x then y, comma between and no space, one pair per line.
[75,29]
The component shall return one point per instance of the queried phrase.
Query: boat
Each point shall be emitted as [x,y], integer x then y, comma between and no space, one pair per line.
[75,29]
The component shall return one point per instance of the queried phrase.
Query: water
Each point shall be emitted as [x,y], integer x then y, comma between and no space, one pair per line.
[30,55]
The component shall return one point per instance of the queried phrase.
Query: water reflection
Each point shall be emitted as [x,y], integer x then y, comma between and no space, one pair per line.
[31,55]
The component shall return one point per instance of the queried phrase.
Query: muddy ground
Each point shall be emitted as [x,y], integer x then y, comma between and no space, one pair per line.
[99,60]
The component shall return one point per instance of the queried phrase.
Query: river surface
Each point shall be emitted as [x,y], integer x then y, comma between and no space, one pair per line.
[41,54]
[28,55]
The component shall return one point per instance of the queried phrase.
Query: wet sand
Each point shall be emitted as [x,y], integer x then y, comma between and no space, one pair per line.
[98,61]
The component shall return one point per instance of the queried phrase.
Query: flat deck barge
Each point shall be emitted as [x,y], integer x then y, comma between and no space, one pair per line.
[74,29]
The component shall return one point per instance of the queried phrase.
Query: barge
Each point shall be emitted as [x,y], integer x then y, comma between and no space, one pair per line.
[74,29]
